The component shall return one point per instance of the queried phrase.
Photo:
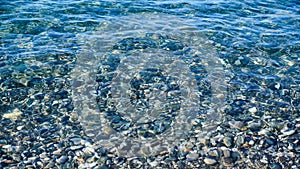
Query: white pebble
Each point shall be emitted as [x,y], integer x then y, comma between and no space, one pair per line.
[210,161]
[251,142]
[237,62]
[252,110]
[20,128]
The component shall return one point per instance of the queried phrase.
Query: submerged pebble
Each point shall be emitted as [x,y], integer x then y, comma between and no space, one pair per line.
[210,161]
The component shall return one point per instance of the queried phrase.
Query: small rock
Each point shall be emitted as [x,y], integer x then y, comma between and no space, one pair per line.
[75,147]
[210,161]
[214,153]
[291,146]
[270,141]
[226,153]
[89,150]
[237,62]
[263,132]
[3,142]
[87,165]
[254,126]
[76,141]
[192,156]
[19,128]
[228,162]
[251,142]
[57,151]
[227,141]
[252,110]
[240,140]
[62,159]
[236,124]
[50,164]
[275,166]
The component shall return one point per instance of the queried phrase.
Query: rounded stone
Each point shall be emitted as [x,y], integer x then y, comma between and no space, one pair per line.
[240,140]
[192,156]
[254,126]
[227,141]
[75,147]
[210,161]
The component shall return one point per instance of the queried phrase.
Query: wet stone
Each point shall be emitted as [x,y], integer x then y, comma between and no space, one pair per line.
[254,126]
[253,110]
[236,124]
[76,147]
[62,159]
[251,142]
[76,141]
[3,142]
[275,166]
[49,165]
[240,140]
[228,162]
[192,156]
[210,161]
[226,153]
[227,141]
[213,153]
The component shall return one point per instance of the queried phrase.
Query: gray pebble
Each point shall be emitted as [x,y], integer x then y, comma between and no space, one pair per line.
[240,140]
[227,141]
[214,153]
[192,156]
[270,141]
[62,159]
[254,126]
[50,164]
[3,142]
[226,153]
[76,141]
[236,124]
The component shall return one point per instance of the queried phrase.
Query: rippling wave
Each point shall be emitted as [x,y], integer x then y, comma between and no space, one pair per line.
[257,44]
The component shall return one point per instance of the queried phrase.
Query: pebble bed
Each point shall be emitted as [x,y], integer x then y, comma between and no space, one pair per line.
[260,124]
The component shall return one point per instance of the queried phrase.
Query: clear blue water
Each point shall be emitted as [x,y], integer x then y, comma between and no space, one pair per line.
[258,42]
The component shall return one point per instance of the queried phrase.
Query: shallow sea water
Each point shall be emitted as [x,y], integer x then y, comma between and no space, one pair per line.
[139,79]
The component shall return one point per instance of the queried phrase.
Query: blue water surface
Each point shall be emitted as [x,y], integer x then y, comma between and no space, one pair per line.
[259,42]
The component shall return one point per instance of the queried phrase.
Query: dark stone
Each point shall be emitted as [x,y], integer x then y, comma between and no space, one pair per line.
[275,166]
[62,159]
[270,141]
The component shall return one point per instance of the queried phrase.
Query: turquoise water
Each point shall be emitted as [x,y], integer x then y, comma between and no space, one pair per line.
[41,42]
